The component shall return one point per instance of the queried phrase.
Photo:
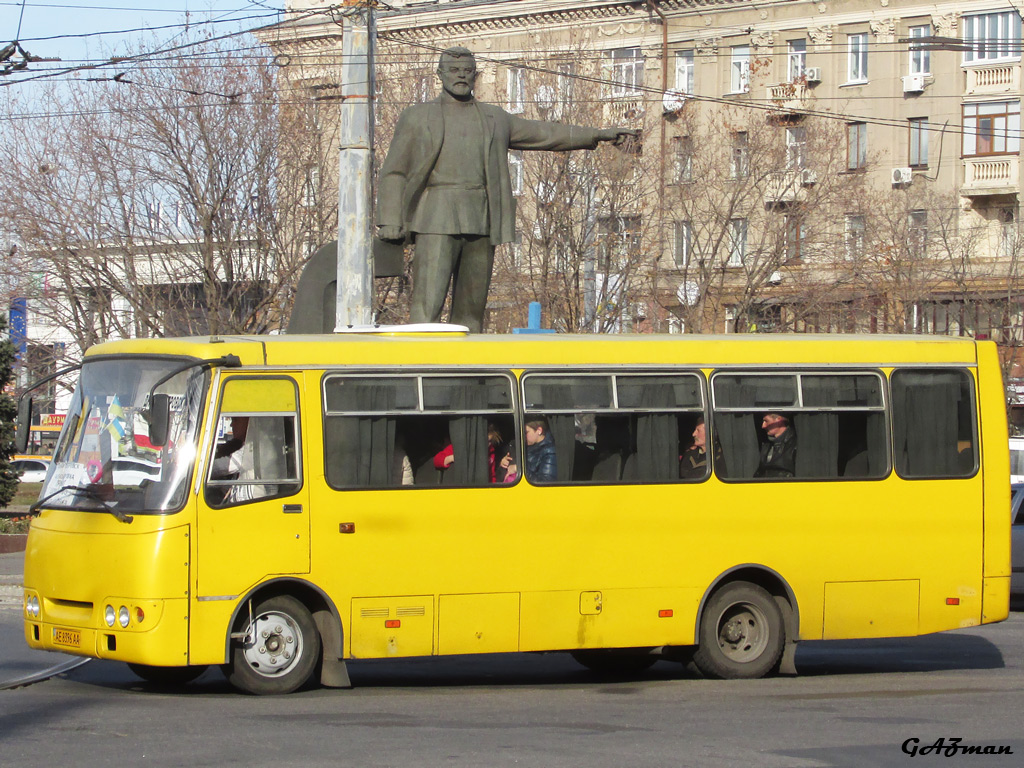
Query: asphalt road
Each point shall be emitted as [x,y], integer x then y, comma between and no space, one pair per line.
[854,704]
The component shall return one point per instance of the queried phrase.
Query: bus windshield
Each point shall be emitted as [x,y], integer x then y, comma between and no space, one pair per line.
[105,460]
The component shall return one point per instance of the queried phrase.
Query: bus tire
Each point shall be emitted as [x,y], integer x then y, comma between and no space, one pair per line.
[742,633]
[170,676]
[280,650]
[614,661]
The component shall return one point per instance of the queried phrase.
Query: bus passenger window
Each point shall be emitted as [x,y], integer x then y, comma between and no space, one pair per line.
[393,431]
[617,428]
[933,423]
[806,426]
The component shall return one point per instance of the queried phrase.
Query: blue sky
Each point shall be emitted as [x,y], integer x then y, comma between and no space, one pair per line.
[80,30]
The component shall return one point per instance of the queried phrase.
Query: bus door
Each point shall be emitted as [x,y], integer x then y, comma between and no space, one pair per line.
[253,517]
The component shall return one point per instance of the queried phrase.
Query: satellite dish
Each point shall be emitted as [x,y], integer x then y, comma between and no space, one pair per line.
[673,100]
[688,293]
[545,97]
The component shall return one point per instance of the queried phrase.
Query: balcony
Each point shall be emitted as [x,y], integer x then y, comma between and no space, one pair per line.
[993,79]
[788,97]
[788,186]
[991,175]
[628,112]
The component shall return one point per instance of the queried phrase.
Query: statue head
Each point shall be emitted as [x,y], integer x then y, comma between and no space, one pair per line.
[457,70]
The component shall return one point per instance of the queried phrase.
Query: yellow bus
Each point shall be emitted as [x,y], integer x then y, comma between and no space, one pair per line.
[280,505]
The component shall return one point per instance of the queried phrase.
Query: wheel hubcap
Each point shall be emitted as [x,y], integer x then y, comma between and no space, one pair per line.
[742,632]
[273,644]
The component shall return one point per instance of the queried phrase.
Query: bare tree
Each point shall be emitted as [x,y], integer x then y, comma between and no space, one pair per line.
[178,197]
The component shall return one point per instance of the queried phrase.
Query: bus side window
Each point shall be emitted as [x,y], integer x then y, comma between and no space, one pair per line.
[621,428]
[385,431]
[933,423]
[836,421]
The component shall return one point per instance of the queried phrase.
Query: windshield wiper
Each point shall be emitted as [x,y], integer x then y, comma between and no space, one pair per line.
[90,493]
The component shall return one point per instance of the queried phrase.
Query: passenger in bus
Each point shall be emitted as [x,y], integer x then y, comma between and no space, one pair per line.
[693,464]
[499,456]
[778,454]
[541,460]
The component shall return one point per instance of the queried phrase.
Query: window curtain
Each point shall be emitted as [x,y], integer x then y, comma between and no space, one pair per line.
[657,437]
[563,430]
[737,436]
[925,426]
[360,449]
[469,438]
[817,444]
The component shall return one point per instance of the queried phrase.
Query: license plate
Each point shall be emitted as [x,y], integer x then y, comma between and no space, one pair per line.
[69,637]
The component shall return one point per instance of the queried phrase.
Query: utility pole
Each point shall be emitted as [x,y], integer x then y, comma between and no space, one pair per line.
[355,169]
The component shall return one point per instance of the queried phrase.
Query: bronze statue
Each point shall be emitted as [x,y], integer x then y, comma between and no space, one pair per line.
[445,186]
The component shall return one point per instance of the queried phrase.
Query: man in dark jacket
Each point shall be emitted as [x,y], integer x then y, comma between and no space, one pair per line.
[541,462]
[445,185]
[778,455]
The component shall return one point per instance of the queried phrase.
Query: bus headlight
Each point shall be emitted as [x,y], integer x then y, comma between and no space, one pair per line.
[109,616]
[123,617]
[32,606]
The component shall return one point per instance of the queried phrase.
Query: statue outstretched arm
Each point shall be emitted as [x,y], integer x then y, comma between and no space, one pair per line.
[542,135]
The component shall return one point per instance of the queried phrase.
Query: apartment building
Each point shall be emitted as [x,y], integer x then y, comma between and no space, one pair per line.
[803,166]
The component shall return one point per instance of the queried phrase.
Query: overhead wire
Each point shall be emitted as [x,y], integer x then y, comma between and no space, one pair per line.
[146,60]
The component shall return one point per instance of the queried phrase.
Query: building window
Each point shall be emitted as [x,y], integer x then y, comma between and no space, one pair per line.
[739,81]
[796,234]
[797,59]
[424,87]
[683,156]
[516,91]
[683,234]
[918,142]
[620,240]
[920,58]
[737,242]
[992,37]
[739,161]
[796,147]
[856,146]
[730,319]
[515,170]
[563,84]
[917,233]
[684,71]
[1007,233]
[992,128]
[626,75]
[312,187]
[857,58]
[854,236]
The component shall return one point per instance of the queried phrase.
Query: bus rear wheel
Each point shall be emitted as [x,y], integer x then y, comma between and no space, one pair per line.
[279,651]
[742,633]
[167,675]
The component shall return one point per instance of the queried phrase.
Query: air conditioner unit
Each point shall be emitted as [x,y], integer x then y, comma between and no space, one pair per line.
[913,83]
[813,74]
[808,177]
[902,176]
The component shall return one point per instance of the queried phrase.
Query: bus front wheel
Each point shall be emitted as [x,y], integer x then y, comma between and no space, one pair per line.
[742,633]
[279,650]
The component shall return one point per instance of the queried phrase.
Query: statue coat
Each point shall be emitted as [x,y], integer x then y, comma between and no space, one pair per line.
[417,144]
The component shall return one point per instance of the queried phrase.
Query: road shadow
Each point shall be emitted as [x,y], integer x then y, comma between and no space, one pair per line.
[928,653]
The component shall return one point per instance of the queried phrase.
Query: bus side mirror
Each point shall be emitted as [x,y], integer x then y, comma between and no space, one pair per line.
[24,427]
[159,416]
